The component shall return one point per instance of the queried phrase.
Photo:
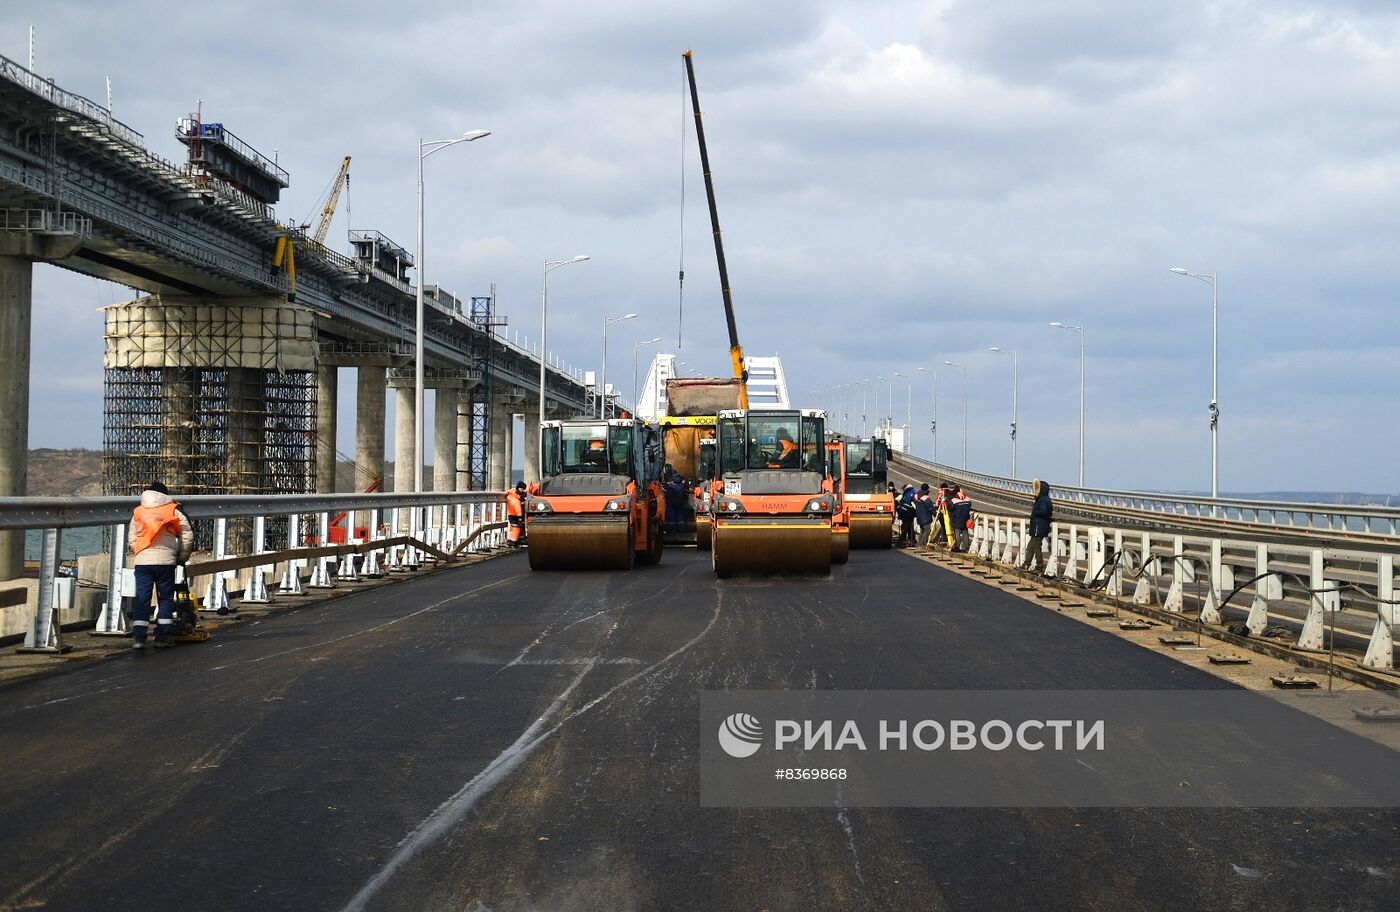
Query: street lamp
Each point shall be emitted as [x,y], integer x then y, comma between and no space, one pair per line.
[933,419]
[865,402]
[1214,362]
[908,405]
[963,368]
[1080,331]
[425,148]
[549,266]
[635,347]
[603,384]
[1015,384]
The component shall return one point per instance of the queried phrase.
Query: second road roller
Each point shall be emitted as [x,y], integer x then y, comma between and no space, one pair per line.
[867,499]
[598,504]
[773,513]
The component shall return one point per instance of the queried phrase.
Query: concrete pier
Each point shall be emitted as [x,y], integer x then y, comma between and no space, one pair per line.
[445,439]
[498,446]
[369,425]
[327,382]
[16,277]
[404,444]
[464,440]
[532,446]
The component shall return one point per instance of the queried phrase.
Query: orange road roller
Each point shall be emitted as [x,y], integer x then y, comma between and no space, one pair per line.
[598,504]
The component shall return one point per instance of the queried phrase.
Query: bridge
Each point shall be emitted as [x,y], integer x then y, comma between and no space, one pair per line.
[412,719]
[229,329]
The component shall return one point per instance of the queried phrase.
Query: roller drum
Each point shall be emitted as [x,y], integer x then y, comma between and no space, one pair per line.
[556,544]
[702,534]
[840,545]
[763,547]
[871,530]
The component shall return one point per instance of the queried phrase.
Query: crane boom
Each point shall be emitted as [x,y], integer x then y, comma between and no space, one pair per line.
[736,351]
[328,211]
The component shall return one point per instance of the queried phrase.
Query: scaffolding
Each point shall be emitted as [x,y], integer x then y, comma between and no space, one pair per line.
[209,398]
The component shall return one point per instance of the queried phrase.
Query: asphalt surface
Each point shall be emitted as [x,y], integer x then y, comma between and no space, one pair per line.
[492,739]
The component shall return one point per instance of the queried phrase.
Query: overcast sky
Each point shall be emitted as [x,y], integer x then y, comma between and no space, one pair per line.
[899,184]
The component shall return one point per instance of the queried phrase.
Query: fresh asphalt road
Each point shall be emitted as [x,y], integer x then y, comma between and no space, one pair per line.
[491,739]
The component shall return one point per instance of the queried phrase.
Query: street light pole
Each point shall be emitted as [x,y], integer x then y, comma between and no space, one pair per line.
[1214,374]
[549,266]
[635,347]
[933,415]
[963,368]
[431,146]
[908,405]
[1080,331]
[603,383]
[864,405]
[1015,386]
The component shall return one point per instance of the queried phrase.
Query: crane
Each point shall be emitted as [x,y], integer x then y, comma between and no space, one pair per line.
[342,179]
[736,351]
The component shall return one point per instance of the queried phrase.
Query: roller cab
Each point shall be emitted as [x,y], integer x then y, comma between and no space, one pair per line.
[867,500]
[598,504]
[773,506]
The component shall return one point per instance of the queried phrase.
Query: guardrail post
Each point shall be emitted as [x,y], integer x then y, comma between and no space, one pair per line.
[256,593]
[114,616]
[1114,586]
[216,593]
[45,633]
[1380,652]
[392,561]
[321,576]
[1182,573]
[1004,549]
[1311,639]
[1072,555]
[1145,589]
[1095,560]
[1210,607]
[370,568]
[1052,564]
[291,574]
[1266,590]
[411,558]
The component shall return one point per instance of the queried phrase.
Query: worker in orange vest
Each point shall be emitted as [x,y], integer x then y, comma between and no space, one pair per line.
[515,515]
[160,537]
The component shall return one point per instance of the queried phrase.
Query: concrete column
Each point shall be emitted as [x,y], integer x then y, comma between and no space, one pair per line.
[506,465]
[445,439]
[498,446]
[369,425]
[464,440]
[532,446]
[177,386]
[327,385]
[404,444]
[16,277]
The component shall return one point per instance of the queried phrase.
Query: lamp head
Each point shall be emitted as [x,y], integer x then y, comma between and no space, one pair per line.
[629,316]
[1057,323]
[1179,271]
[473,135]
[580,258]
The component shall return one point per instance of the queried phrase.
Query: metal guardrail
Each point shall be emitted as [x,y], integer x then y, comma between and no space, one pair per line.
[45,221]
[440,525]
[85,107]
[1305,519]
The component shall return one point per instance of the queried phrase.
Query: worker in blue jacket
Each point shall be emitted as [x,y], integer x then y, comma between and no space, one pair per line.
[925,509]
[1042,515]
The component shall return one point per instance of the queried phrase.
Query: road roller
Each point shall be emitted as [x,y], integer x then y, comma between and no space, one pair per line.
[866,497]
[598,504]
[772,513]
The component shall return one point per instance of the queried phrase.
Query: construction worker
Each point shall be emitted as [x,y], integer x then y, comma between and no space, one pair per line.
[959,515]
[160,537]
[786,456]
[925,511]
[515,515]
[1042,515]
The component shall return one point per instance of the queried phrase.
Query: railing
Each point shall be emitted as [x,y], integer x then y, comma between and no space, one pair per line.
[77,104]
[403,531]
[45,221]
[1308,520]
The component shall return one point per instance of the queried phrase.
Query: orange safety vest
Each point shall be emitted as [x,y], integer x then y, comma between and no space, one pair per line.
[151,521]
[514,506]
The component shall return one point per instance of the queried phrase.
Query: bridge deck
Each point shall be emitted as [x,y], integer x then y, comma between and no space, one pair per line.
[292,763]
